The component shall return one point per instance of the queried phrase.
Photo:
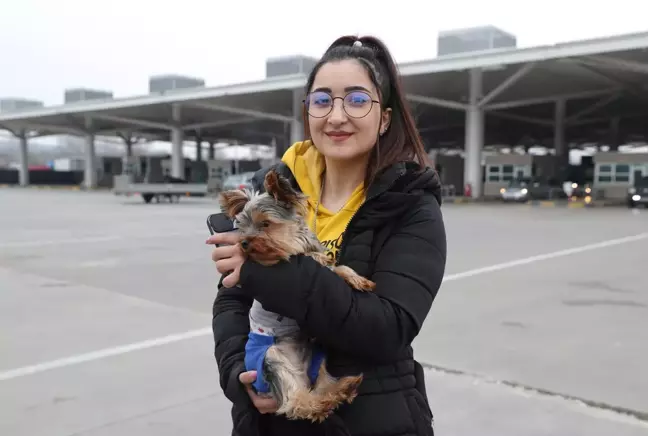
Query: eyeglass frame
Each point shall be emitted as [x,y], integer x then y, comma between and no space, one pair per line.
[343,107]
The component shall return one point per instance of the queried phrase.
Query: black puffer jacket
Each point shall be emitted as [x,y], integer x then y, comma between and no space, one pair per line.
[397,239]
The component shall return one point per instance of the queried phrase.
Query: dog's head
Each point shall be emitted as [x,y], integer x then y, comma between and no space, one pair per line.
[270,223]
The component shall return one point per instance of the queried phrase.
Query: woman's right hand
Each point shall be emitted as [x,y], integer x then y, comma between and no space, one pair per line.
[228,256]
[263,404]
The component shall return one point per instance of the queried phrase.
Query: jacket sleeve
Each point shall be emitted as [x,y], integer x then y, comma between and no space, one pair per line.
[408,273]
[230,325]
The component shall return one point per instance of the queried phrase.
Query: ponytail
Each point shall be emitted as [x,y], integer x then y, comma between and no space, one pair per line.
[401,141]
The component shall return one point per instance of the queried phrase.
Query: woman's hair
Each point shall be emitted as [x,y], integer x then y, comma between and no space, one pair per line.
[401,141]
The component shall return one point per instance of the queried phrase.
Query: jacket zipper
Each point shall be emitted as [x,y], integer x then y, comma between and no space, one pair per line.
[373,197]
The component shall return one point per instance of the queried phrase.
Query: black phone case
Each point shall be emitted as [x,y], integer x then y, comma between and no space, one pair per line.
[219,223]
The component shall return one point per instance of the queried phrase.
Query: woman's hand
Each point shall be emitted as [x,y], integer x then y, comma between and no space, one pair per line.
[228,257]
[263,404]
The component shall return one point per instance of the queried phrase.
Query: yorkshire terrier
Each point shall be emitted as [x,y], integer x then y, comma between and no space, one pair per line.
[273,228]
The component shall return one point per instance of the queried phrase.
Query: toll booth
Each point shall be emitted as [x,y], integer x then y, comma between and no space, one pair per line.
[451,171]
[501,169]
[615,173]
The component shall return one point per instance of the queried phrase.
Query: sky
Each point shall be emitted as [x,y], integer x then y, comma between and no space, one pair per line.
[47,46]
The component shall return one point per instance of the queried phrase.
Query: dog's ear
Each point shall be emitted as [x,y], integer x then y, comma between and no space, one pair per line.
[232,202]
[279,187]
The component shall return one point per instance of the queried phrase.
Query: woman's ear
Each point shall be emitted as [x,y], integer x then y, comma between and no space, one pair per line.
[385,120]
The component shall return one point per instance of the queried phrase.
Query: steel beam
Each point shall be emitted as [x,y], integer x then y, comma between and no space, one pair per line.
[510,81]
[433,101]
[9,129]
[616,63]
[240,111]
[212,124]
[550,99]
[50,128]
[593,107]
[440,128]
[521,118]
[604,119]
[132,121]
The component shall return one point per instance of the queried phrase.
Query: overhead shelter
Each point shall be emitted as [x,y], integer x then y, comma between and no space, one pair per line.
[549,92]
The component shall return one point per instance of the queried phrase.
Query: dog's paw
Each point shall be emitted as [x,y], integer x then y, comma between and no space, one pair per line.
[350,388]
[353,279]
[362,284]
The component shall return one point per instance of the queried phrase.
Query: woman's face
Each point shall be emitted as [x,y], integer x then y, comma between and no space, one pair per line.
[344,115]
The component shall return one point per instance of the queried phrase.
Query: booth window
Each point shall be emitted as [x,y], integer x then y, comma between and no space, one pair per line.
[507,172]
[619,173]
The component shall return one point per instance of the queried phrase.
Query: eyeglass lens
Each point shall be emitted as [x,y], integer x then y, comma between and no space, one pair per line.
[356,104]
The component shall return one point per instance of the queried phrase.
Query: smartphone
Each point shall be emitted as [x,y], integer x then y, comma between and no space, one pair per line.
[220,223]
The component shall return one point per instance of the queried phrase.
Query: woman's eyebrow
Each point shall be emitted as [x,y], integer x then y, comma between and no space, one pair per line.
[347,89]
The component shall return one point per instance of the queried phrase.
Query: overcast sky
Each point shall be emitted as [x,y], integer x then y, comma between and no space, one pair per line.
[49,45]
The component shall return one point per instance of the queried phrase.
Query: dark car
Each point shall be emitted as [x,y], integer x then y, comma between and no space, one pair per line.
[638,194]
[523,190]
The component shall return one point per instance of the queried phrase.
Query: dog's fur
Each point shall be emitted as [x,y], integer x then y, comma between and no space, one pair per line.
[273,228]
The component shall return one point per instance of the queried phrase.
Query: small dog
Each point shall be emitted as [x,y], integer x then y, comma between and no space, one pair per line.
[273,228]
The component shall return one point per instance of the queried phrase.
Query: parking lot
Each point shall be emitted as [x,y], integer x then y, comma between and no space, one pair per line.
[105,308]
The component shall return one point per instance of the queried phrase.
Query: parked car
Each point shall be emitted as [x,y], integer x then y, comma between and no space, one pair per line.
[238,181]
[522,190]
[638,193]
[516,191]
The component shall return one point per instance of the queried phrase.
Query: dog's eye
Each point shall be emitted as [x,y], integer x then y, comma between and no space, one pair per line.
[265,223]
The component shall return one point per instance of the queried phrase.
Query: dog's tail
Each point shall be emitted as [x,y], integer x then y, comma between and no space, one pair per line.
[317,404]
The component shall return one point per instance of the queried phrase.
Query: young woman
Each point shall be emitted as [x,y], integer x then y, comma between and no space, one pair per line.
[375,204]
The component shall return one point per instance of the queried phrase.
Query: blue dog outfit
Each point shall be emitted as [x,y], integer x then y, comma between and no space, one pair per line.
[265,327]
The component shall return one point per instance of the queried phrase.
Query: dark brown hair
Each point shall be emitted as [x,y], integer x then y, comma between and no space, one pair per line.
[401,141]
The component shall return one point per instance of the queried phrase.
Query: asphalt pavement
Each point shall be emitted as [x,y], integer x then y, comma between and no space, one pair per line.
[105,308]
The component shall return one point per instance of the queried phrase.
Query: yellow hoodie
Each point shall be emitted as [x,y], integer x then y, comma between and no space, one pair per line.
[307,165]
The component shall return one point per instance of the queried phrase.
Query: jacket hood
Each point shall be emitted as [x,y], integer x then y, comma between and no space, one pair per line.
[408,178]
[306,165]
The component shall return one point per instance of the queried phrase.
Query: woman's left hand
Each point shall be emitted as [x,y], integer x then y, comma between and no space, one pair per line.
[228,257]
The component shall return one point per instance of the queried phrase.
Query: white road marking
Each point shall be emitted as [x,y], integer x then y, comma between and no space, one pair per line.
[547,256]
[101,354]
[97,239]
[115,351]
[40,243]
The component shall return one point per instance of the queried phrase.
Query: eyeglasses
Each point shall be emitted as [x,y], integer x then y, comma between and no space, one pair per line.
[356,104]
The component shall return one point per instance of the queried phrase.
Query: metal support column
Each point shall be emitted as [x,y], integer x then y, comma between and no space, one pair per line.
[211,150]
[474,142]
[90,156]
[615,134]
[559,129]
[177,139]
[23,173]
[128,141]
[296,125]
[199,140]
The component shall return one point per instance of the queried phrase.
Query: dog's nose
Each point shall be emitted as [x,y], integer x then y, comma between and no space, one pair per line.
[245,244]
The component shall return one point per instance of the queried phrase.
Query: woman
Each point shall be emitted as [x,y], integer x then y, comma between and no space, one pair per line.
[375,205]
